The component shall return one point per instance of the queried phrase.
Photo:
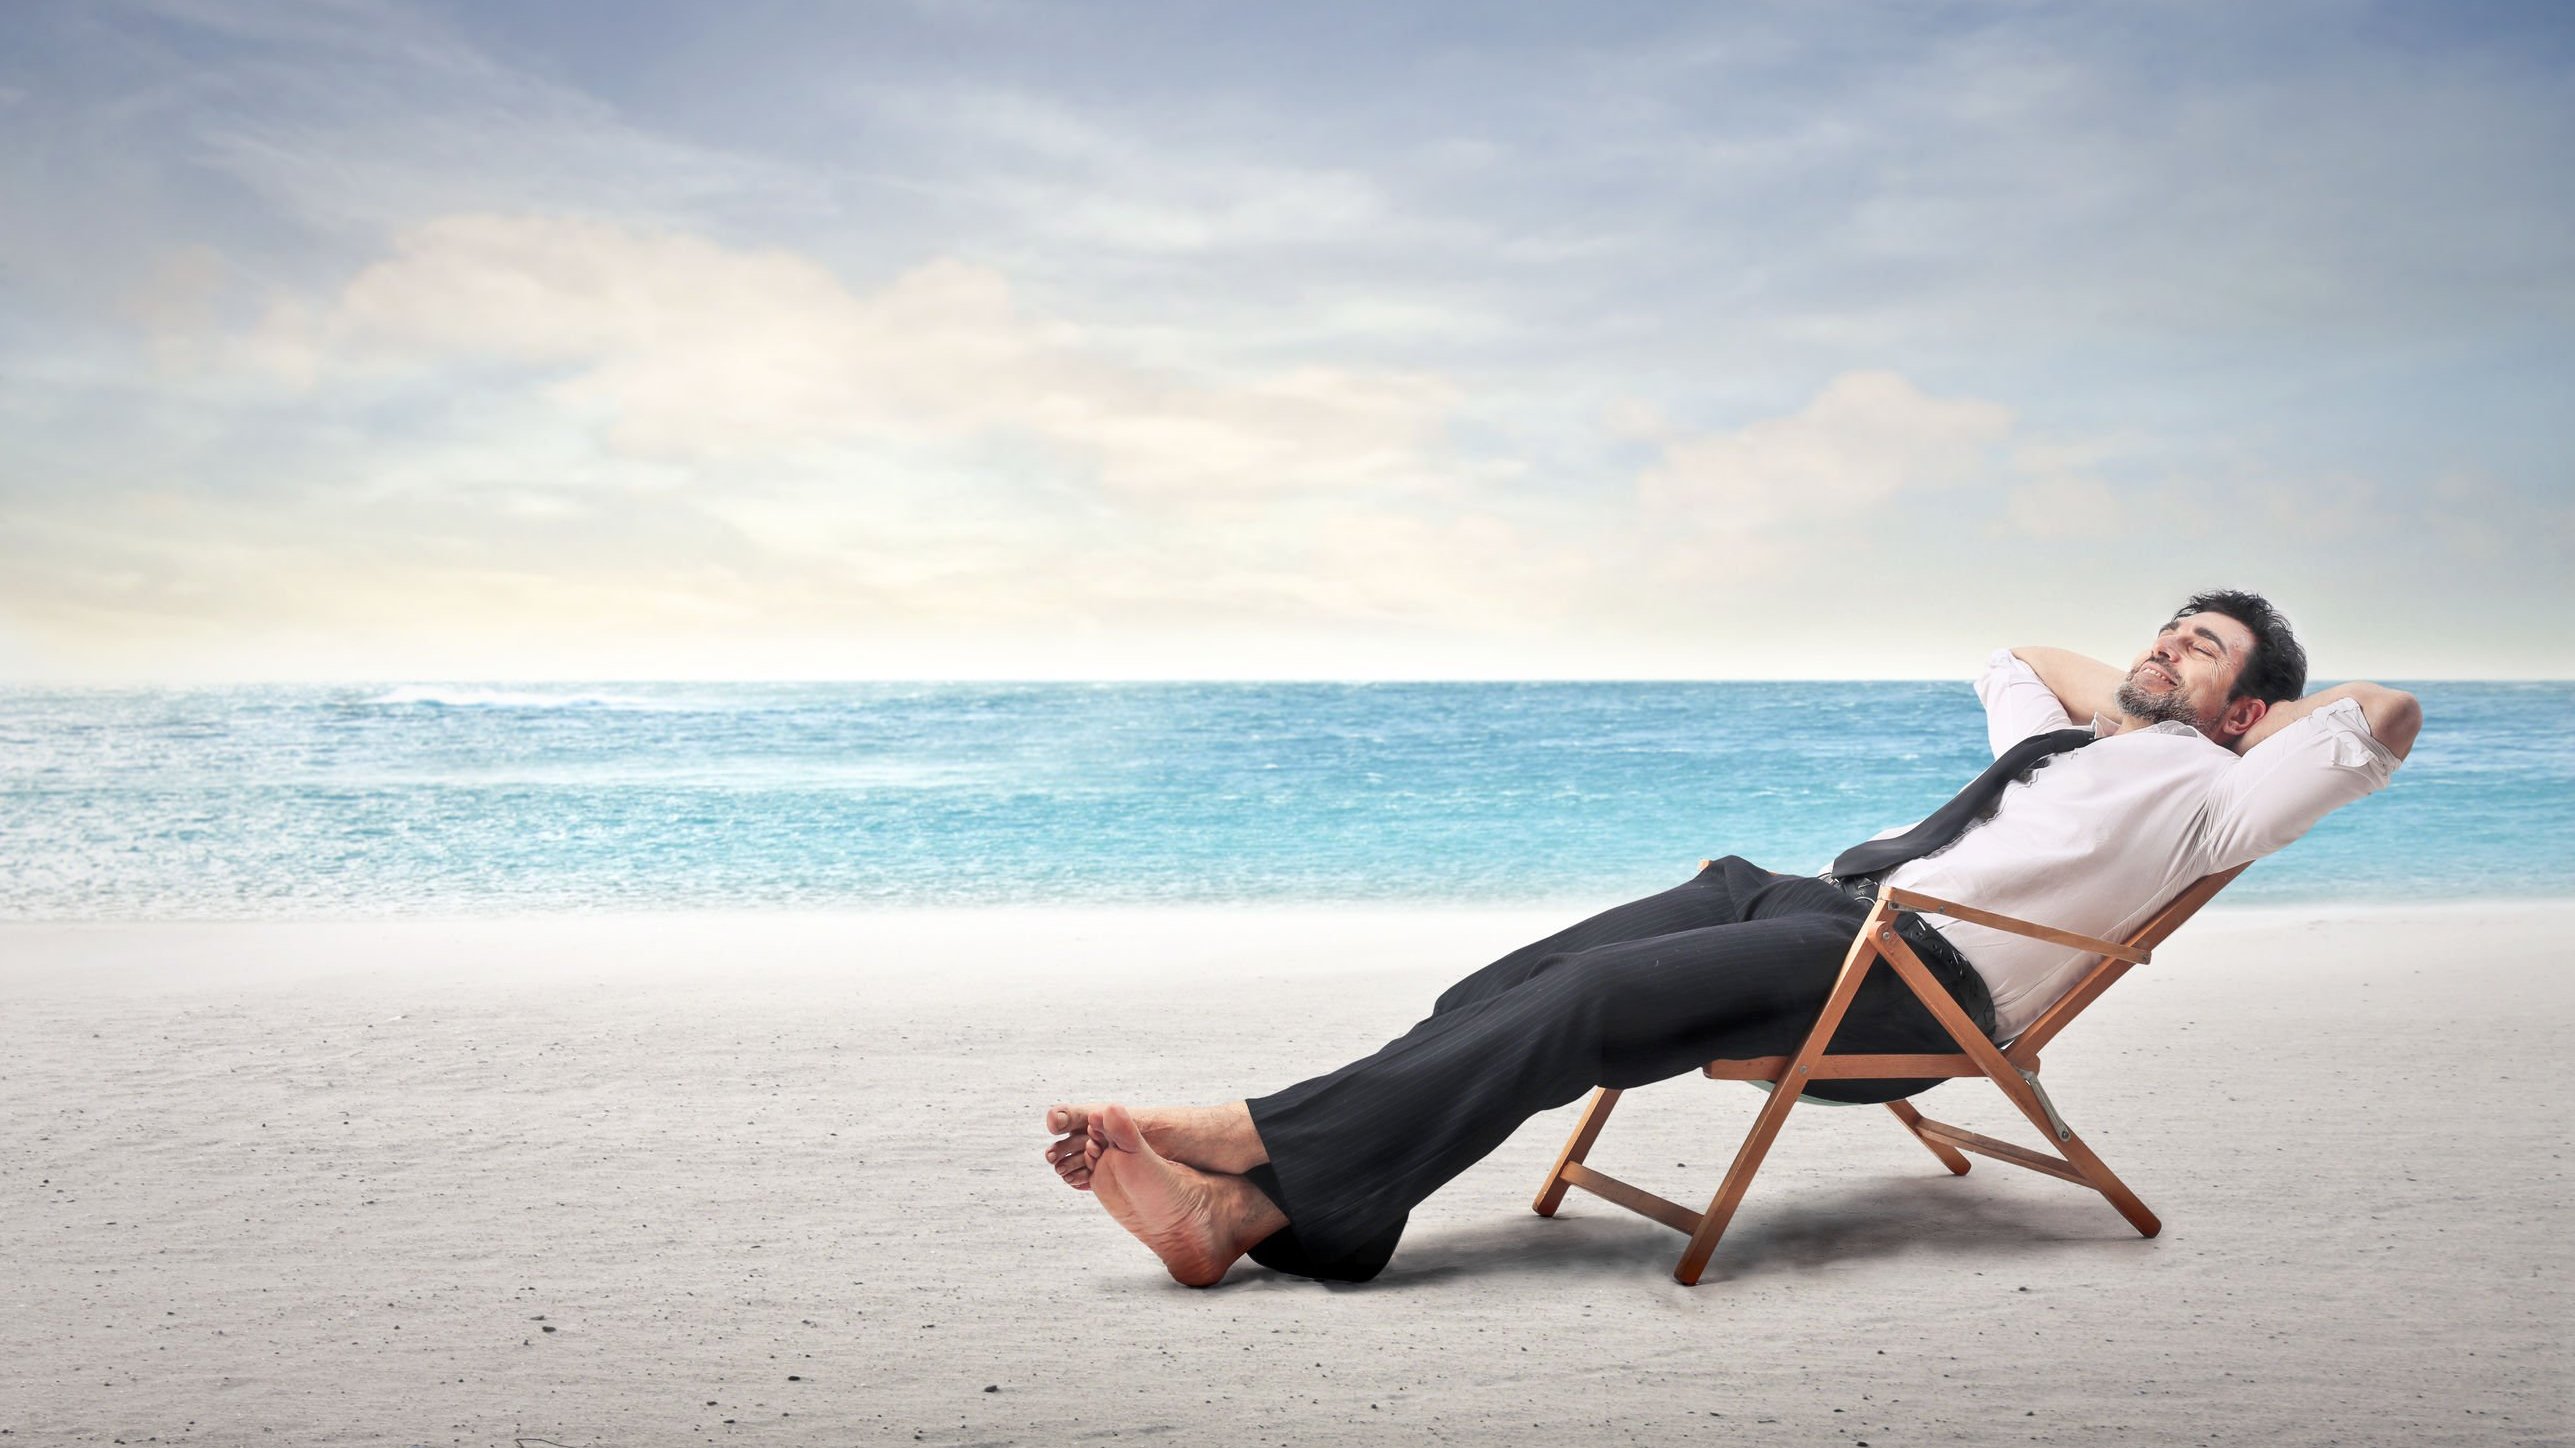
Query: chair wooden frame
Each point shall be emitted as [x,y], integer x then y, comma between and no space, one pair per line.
[2013,1068]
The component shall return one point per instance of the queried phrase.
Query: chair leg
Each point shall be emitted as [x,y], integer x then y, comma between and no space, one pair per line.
[1950,1156]
[2107,1183]
[1721,1210]
[1783,1095]
[2032,1103]
[1577,1146]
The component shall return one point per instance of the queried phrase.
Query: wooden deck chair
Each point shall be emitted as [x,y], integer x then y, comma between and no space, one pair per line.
[2014,1068]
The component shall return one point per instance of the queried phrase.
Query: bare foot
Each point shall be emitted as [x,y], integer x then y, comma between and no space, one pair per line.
[1211,1138]
[1197,1223]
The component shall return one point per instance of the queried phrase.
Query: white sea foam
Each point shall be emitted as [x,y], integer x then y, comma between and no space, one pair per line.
[454,696]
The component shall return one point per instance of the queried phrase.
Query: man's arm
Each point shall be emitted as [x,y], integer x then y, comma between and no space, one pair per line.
[2289,778]
[2084,686]
[2394,716]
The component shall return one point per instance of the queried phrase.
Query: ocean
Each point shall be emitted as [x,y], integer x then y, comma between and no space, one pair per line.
[298,801]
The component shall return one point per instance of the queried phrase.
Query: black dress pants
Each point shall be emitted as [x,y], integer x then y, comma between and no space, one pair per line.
[1737,962]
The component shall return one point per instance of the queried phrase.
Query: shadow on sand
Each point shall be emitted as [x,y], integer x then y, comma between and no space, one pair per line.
[1820,1230]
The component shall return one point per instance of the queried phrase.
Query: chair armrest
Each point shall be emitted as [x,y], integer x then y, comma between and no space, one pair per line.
[1932,904]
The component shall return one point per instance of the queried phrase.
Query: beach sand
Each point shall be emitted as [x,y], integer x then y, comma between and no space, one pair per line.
[630,1181]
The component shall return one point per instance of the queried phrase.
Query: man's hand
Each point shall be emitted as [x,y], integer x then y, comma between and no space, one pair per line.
[2394,716]
[2084,686]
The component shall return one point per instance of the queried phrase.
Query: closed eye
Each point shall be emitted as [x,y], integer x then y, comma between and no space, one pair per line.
[2199,639]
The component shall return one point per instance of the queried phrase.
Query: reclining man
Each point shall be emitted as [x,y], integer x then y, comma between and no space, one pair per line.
[2200,757]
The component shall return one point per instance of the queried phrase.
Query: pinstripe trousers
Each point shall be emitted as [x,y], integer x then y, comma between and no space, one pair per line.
[1736,962]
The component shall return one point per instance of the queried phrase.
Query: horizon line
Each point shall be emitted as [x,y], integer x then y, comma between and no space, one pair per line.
[427,681]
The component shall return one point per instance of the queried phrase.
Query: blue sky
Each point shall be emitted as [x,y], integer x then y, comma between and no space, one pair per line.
[988,340]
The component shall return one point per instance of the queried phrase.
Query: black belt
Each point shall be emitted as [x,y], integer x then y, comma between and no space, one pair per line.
[1947,965]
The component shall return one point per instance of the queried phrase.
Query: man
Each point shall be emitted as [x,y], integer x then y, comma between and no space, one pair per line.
[2200,757]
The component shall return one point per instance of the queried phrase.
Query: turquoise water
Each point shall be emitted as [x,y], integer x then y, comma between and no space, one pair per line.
[282,801]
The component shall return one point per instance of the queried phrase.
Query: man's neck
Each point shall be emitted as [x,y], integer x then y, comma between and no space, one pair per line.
[2126,723]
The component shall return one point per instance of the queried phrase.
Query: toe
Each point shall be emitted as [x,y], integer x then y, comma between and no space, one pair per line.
[1117,1130]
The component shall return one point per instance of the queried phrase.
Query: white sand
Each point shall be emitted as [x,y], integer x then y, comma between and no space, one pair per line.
[777,1179]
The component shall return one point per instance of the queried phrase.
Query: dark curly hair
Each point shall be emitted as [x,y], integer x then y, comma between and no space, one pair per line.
[2276,670]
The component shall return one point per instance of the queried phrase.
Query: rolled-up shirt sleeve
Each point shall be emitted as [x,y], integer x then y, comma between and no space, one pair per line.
[2286,783]
[2017,704]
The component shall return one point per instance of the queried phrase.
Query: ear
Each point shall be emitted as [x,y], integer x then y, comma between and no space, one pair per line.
[2241,715]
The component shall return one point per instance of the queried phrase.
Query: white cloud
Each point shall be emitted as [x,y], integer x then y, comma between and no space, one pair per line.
[677,348]
[1866,438]
[565,438]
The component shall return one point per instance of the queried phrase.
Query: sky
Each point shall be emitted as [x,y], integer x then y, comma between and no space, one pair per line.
[973,339]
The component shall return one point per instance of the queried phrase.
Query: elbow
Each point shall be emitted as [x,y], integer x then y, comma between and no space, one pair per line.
[2395,717]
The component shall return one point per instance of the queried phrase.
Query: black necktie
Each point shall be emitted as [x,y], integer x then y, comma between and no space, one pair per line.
[1948,822]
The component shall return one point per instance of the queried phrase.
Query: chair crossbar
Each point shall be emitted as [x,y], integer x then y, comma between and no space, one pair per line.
[1635,1198]
[1934,905]
[1846,1067]
[1983,1145]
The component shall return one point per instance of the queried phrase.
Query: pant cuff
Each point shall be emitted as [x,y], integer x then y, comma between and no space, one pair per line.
[1282,1251]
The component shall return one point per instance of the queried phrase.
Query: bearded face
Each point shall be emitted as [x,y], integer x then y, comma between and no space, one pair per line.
[2156,700]
[2188,676]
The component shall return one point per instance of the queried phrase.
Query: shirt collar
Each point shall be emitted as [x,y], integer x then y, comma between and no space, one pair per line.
[2103,727]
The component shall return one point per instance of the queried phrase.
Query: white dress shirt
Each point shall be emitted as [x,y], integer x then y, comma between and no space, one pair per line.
[2098,838]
